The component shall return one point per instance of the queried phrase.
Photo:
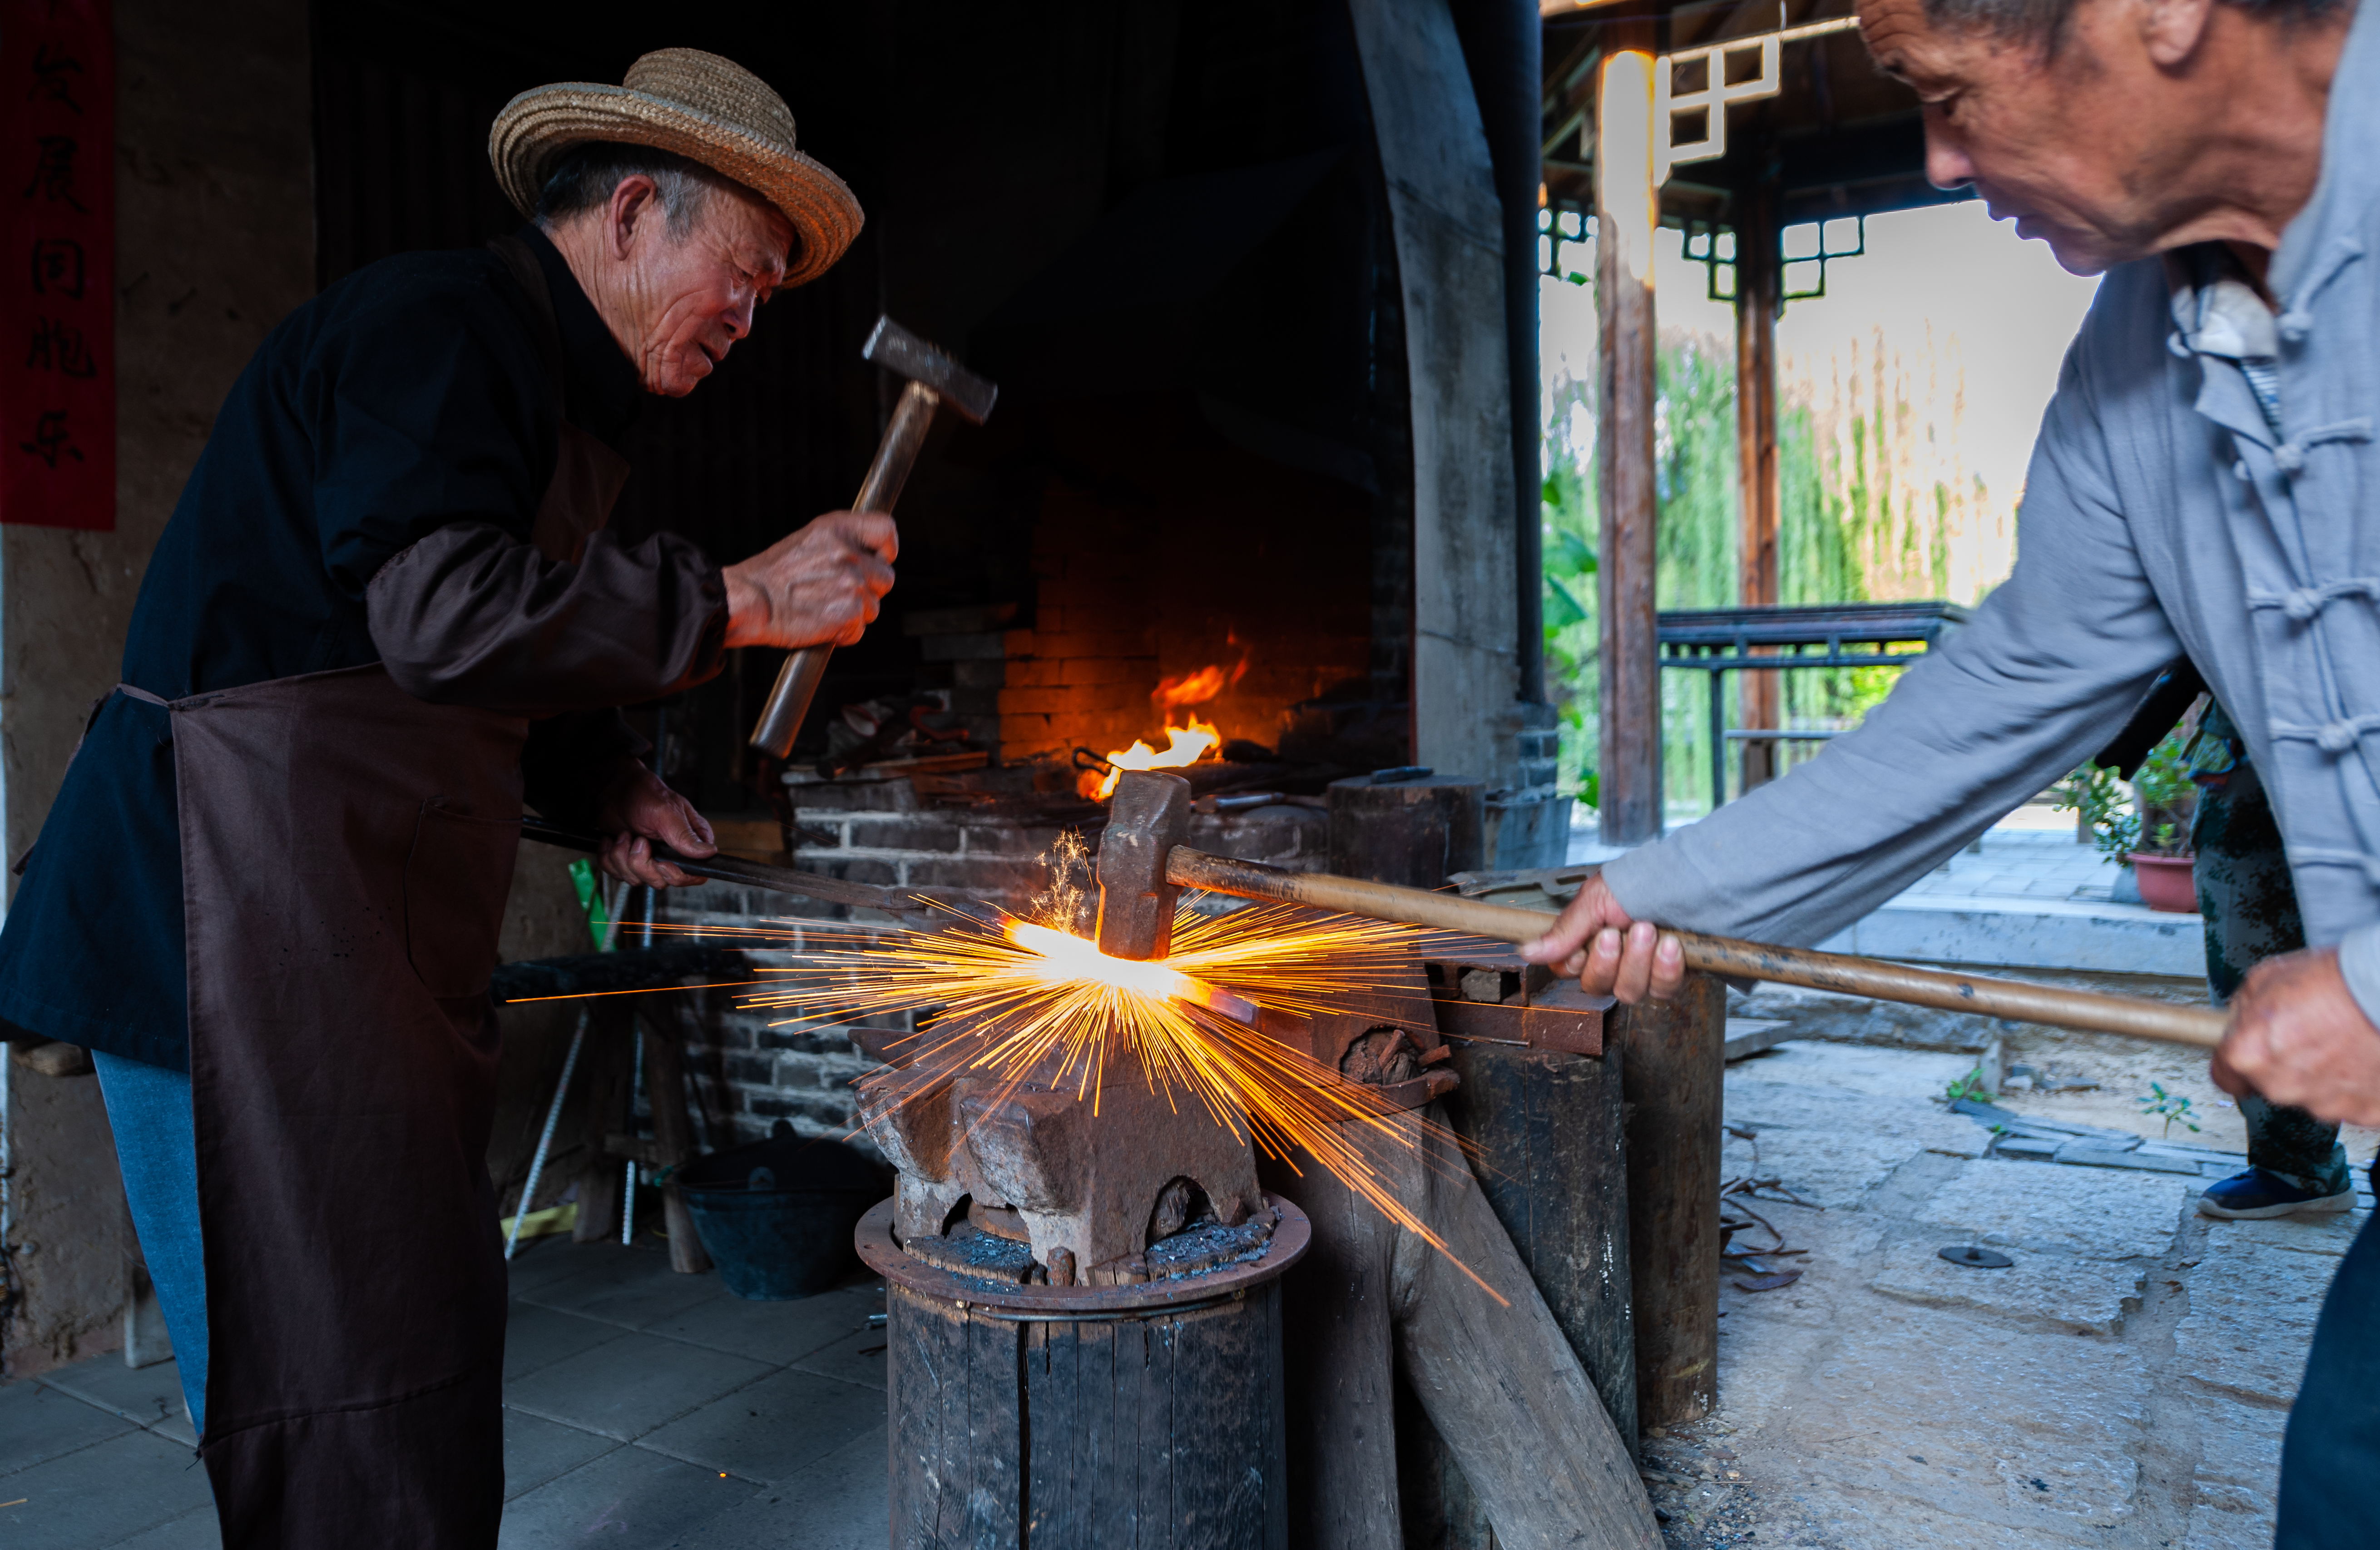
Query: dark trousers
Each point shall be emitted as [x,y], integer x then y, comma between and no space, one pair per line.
[2332,1453]
[2251,909]
[2333,1445]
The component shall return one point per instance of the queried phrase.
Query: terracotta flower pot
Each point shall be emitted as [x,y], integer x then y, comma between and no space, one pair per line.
[2165,883]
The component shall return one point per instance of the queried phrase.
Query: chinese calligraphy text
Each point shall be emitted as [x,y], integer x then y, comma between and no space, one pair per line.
[58,292]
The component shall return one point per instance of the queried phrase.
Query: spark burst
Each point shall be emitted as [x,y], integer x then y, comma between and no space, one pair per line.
[1030,1000]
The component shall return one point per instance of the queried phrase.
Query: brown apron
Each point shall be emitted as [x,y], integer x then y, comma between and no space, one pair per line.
[346,850]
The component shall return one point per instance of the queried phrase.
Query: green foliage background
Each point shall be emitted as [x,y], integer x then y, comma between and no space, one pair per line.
[1841,520]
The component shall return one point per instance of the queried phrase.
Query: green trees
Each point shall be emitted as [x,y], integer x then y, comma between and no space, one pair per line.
[1851,511]
[1694,482]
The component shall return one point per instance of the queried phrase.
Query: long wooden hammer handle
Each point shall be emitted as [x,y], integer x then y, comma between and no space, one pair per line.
[2091,1011]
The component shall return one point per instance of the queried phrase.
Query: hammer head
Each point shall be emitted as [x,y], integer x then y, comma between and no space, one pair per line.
[896,349]
[1149,816]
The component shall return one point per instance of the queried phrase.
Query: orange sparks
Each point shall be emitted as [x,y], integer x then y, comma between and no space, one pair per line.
[1027,999]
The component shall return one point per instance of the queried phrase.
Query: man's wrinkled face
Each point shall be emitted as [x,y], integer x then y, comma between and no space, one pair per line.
[2056,143]
[694,295]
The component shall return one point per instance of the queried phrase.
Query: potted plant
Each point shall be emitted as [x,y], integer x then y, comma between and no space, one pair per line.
[2144,823]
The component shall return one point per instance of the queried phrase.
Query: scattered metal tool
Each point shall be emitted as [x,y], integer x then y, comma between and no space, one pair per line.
[934,380]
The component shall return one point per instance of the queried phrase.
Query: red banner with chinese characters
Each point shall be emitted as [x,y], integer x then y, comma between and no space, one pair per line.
[57,271]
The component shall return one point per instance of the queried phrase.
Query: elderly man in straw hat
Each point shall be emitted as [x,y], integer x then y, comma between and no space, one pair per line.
[385,612]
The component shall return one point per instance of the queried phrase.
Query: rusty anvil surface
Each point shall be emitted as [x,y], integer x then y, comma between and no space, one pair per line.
[1089,1182]
[1086,1182]
[1086,1179]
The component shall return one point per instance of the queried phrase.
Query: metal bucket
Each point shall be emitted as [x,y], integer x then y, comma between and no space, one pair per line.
[777,1215]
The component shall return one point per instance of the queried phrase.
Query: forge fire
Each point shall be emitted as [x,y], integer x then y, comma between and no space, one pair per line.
[1185,744]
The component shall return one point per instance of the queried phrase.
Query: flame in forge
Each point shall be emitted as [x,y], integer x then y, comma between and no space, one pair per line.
[1185,744]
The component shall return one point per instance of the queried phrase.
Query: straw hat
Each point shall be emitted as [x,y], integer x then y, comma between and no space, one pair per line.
[699,106]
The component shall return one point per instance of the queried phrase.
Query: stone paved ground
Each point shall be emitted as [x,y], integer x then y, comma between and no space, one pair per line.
[2124,1384]
[2032,855]
[643,1411]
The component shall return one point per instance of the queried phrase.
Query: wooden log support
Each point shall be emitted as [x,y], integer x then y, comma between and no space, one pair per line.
[1028,1417]
[1159,1432]
[1553,1165]
[1626,204]
[1492,1371]
[1481,1367]
[1675,1056]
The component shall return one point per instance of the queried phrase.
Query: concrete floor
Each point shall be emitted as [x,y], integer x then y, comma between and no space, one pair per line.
[642,1409]
[2123,1385]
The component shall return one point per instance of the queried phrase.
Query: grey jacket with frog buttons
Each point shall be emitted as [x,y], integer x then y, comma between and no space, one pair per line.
[2161,514]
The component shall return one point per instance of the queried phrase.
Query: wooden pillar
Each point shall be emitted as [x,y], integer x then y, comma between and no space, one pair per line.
[1756,305]
[1626,208]
[1674,1054]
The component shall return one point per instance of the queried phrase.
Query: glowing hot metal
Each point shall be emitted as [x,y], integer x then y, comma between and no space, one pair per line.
[1031,1010]
[1066,958]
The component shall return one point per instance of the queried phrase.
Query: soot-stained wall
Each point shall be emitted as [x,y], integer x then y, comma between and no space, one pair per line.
[214,246]
[1115,211]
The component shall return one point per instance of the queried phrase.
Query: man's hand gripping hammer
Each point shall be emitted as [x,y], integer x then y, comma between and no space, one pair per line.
[934,380]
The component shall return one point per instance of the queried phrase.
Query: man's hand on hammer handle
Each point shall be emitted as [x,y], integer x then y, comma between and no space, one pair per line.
[1610,951]
[821,585]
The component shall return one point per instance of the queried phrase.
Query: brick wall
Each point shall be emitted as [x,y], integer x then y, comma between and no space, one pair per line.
[1082,676]
[963,651]
[757,1065]
[1164,550]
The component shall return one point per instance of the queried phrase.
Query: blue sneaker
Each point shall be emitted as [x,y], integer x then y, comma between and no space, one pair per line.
[2258,1194]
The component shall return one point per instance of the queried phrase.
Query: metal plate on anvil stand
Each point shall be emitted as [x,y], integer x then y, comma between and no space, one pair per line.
[1975,1257]
[1292,1235]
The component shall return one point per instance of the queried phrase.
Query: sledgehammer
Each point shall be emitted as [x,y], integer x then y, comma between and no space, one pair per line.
[1143,867]
[934,380]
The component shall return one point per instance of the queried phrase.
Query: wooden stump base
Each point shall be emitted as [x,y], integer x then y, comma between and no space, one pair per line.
[1059,1417]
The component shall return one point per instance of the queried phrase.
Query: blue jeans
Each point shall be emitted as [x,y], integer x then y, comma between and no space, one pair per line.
[149,1109]
[2334,1436]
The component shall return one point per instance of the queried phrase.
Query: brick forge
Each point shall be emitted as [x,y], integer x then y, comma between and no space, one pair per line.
[752,1067]
[1163,549]
[1158,548]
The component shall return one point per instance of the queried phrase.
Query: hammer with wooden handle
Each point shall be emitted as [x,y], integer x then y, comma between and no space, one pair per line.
[934,380]
[1140,880]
